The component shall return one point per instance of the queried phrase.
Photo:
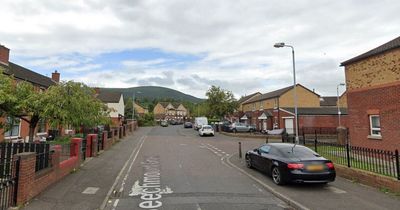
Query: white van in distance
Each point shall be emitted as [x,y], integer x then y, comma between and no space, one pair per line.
[200,121]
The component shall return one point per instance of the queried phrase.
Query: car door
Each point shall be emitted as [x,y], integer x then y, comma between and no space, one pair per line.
[265,158]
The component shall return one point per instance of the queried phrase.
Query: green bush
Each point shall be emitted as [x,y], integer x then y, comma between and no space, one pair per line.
[146,120]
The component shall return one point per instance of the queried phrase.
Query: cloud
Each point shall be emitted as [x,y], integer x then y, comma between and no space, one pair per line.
[232,42]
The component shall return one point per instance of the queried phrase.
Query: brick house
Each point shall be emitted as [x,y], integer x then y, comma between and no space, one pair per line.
[239,112]
[275,110]
[170,111]
[140,110]
[20,128]
[114,101]
[373,97]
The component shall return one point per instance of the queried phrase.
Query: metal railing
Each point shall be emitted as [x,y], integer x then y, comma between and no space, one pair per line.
[382,162]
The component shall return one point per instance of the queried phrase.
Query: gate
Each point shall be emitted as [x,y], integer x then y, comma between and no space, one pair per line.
[9,171]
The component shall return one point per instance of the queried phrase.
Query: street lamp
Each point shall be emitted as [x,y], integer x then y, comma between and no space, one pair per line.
[279,45]
[338,104]
[133,104]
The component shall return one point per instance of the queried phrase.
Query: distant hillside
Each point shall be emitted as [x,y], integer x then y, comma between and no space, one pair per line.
[155,92]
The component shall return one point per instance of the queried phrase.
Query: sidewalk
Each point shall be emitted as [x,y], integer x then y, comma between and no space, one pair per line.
[340,194]
[95,177]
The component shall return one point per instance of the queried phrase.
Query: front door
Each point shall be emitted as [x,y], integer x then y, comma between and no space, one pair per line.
[264,125]
[289,125]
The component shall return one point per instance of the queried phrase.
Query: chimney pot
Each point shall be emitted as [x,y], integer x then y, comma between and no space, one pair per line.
[55,76]
[4,55]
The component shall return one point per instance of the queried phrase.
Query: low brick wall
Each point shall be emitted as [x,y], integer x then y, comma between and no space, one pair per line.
[31,183]
[249,135]
[368,178]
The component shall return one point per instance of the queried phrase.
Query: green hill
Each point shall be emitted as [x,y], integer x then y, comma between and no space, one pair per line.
[155,92]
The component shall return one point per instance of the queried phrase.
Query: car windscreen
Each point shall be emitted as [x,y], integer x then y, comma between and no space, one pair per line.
[298,152]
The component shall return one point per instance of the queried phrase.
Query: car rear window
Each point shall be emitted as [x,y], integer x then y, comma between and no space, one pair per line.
[298,152]
[206,126]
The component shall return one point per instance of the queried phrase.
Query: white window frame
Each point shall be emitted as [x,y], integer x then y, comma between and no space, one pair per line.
[14,136]
[374,129]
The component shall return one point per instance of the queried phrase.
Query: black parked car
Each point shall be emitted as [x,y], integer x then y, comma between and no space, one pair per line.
[291,163]
[188,125]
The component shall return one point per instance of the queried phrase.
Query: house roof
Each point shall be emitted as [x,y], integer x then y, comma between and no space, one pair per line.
[25,74]
[328,101]
[245,98]
[275,94]
[164,104]
[393,44]
[316,110]
[109,97]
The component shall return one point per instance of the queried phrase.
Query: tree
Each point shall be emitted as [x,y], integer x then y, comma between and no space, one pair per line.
[74,104]
[220,102]
[21,100]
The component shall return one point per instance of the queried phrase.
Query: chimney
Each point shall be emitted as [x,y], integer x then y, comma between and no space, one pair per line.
[55,76]
[4,55]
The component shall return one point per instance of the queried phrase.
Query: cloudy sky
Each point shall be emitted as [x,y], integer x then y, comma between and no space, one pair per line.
[190,45]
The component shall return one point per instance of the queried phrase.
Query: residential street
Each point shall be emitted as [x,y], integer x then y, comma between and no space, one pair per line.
[174,168]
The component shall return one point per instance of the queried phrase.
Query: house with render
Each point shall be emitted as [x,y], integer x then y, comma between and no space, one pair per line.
[18,127]
[373,97]
[170,111]
[115,102]
[140,110]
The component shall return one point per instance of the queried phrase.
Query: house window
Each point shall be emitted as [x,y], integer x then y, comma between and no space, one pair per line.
[261,106]
[254,106]
[41,126]
[375,125]
[14,124]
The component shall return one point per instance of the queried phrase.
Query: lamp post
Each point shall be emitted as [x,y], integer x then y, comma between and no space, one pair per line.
[279,45]
[338,104]
[133,104]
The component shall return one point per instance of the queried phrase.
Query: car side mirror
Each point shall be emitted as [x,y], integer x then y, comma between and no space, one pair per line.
[257,150]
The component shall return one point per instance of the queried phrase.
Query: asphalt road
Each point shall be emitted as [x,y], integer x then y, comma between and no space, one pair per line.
[174,168]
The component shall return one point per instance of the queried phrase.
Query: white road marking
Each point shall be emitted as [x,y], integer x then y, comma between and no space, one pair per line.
[180,165]
[223,152]
[198,206]
[90,190]
[269,188]
[336,190]
[259,189]
[103,205]
[115,204]
[183,144]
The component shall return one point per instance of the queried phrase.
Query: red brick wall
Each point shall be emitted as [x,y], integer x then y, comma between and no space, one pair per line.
[322,121]
[382,100]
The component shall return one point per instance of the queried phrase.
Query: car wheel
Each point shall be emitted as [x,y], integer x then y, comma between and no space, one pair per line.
[277,176]
[234,130]
[248,162]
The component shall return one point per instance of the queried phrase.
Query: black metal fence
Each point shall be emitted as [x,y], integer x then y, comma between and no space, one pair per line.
[374,160]
[43,153]
[9,171]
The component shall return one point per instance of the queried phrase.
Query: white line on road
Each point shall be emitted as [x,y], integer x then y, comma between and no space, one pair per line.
[115,204]
[180,165]
[198,206]
[103,205]
[288,200]
[336,190]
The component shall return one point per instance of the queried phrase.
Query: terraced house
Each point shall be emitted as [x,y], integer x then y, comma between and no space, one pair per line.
[275,110]
[170,111]
[18,127]
[373,94]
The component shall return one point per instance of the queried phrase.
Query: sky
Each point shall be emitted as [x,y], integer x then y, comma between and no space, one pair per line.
[190,45]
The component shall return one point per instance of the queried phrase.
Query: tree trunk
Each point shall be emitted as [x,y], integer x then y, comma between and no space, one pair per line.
[32,125]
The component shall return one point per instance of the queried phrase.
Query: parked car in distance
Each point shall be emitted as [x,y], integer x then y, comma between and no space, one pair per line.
[164,123]
[291,163]
[241,127]
[199,121]
[187,125]
[206,130]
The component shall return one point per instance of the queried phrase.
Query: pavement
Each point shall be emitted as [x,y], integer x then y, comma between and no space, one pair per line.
[173,168]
